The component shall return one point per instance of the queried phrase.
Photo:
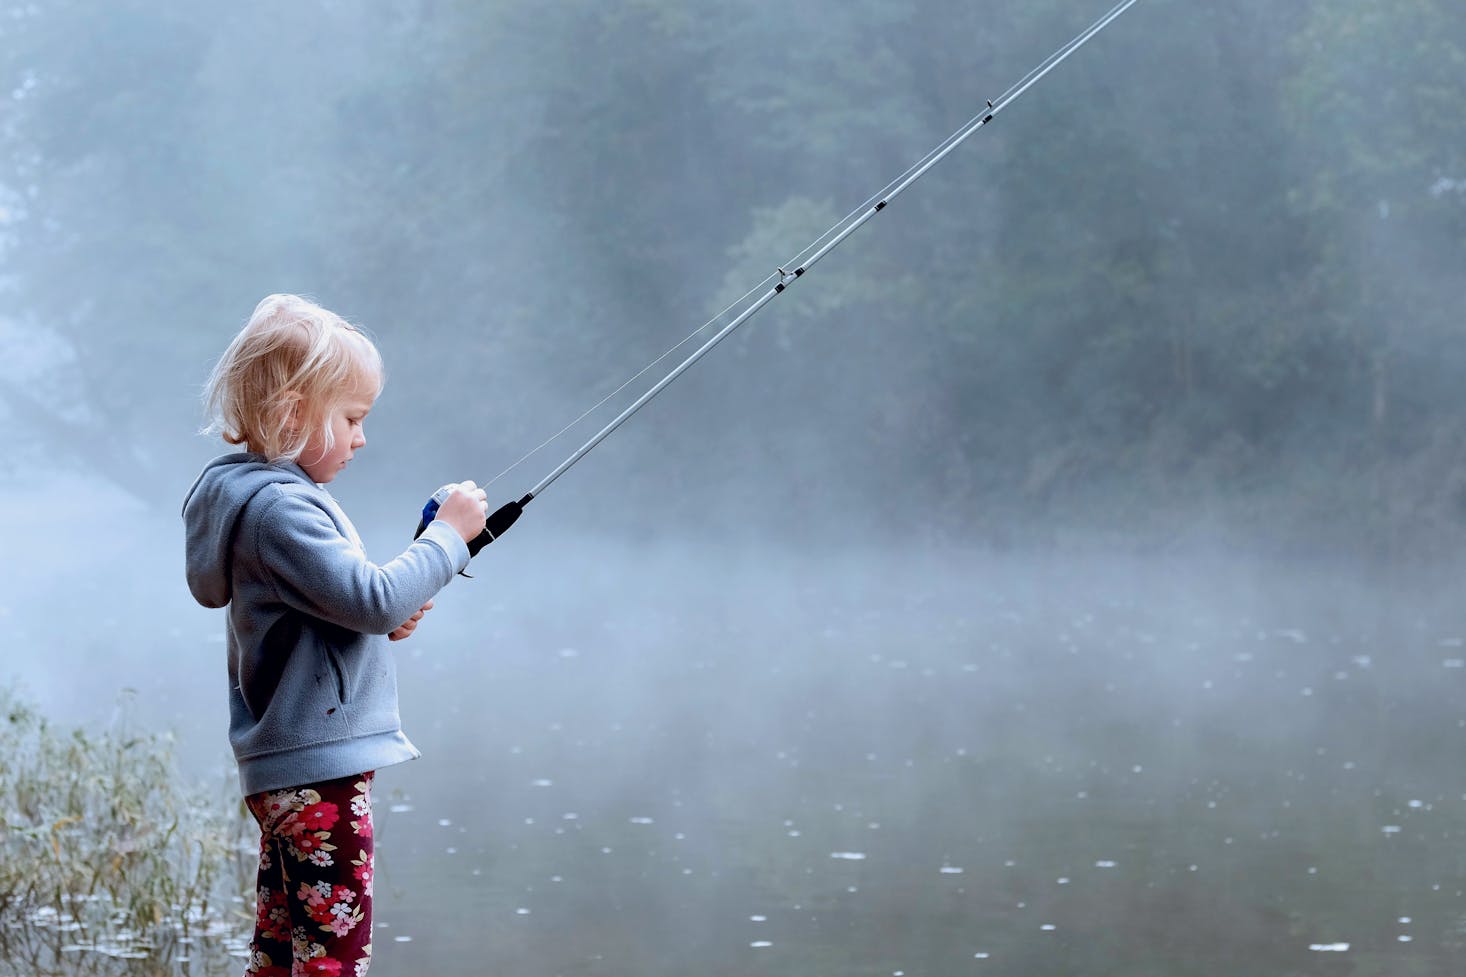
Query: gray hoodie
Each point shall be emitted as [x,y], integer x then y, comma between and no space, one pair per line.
[312,676]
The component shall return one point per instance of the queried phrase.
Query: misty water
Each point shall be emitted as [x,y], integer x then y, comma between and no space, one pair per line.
[659,757]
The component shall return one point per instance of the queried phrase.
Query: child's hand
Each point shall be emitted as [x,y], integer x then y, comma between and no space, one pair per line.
[465,510]
[411,623]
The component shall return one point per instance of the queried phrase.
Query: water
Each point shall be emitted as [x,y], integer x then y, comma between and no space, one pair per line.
[1005,770]
[745,761]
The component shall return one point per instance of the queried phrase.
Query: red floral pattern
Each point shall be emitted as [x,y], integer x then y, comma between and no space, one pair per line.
[313,910]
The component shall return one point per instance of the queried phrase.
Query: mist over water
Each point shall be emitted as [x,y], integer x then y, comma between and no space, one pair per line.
[749,758]
[1063,577]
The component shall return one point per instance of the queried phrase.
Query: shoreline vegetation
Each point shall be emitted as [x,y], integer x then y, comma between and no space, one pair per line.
[106,854]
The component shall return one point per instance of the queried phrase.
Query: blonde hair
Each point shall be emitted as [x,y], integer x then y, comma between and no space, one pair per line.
[280,378]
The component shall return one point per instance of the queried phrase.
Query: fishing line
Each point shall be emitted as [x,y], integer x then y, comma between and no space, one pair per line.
[801,262]
[639,374]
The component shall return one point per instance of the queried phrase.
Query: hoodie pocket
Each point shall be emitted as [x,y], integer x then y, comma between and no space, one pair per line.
[338,671]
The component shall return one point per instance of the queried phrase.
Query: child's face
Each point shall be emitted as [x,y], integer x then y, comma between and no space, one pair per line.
[346,421]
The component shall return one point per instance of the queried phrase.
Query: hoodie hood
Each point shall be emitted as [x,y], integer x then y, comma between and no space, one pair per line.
[211,512]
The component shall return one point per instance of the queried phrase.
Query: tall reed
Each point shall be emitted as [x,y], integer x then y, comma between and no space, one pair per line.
[100,837]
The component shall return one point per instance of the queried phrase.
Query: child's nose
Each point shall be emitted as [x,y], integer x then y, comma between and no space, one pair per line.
[360,439]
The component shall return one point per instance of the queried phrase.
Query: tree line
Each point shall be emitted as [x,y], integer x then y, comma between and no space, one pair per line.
[1205,276]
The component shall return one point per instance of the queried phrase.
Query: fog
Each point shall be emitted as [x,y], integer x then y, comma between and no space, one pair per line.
[1062,576]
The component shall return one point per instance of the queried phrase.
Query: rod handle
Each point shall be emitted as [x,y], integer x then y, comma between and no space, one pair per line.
[496,525]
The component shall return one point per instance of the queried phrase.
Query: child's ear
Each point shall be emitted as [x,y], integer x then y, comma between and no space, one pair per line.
[290,411]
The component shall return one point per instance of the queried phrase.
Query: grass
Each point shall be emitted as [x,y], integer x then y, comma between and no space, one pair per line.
[101,840]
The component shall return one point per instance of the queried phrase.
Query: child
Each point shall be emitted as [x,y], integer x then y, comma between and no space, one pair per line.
[312,682]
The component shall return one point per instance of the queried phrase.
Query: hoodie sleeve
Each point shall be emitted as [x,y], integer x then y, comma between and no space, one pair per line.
[320,572]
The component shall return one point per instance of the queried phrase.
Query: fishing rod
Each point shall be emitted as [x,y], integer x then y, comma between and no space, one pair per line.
[499,521]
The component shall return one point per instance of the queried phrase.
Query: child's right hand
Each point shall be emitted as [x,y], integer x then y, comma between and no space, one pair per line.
[465,509]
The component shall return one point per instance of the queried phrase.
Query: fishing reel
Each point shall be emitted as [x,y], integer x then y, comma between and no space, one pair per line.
[496,525]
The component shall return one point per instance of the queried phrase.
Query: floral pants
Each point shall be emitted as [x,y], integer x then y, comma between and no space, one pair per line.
[314,909]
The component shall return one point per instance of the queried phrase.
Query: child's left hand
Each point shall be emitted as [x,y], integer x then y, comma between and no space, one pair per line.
[411,624]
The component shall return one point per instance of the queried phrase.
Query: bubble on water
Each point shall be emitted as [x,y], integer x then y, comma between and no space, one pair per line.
[981,955]
[852,856]
[950,870]
[1417,804]
[444,822]
[758,919]
[402,939]
[642,820]
[1048,927]
[1329,947]
[400,808]
[1405,920]
[1104,863]
[761,943]
[1404,938]
[521,911]
[542,782]
[1391,829]
[1062,880]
